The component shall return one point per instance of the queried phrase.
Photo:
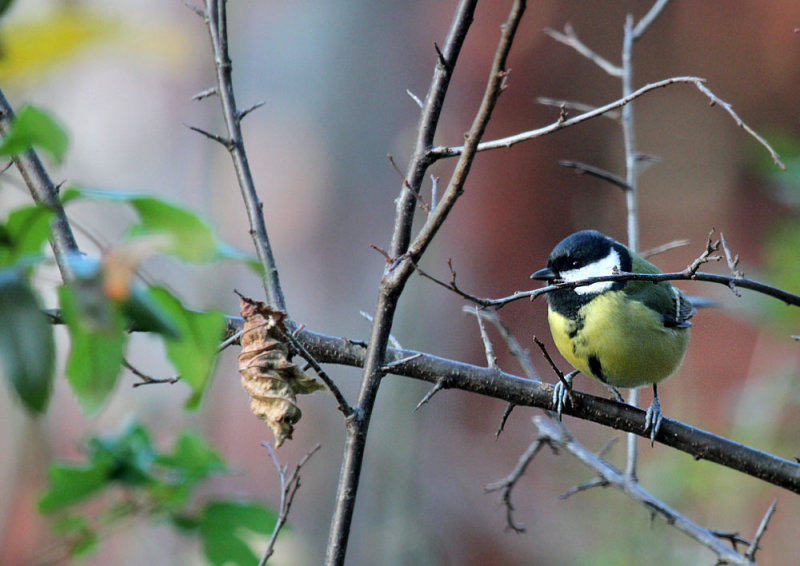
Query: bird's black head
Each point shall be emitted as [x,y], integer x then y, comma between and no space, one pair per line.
[581,255]
[585,254]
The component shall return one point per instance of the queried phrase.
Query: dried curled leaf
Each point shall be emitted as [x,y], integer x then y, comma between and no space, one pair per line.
[268,375]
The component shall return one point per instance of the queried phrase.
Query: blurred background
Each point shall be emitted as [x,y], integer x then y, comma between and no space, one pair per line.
[333,76]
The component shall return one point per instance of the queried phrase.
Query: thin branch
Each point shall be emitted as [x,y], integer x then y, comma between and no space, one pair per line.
[739,122]
[298,347]
[651,16]
[571,39]
[488,349]
[289,486]
[441,152]
[507,484]
[44,192]
[216,20]
[205,93]
[549,430]
[663,248]
[572,105]
[391,286]
[582,168]
[762,528]
[146,379]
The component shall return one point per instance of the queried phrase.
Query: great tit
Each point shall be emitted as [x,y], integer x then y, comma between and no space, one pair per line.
[623,333]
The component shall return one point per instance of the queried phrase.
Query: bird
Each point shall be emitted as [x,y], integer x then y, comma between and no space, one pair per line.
[623,333]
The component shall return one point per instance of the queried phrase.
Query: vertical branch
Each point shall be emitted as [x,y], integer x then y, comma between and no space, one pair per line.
[43,191]
[216,20]
[631,34]
[631,197]
[403,257]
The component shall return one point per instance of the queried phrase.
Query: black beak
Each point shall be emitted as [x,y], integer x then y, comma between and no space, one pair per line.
[545,274]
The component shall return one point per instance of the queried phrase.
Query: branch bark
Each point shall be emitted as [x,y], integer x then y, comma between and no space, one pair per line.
[215,16]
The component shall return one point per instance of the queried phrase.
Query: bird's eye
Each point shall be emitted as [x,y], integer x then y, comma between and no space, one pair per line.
[575,263]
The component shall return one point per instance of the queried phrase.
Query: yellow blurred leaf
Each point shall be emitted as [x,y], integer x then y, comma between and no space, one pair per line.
[30,47]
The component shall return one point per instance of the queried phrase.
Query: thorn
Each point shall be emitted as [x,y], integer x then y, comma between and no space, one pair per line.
[247,111]
[415,98]
[442,60]
[205,93]
[196,9]
[438,386]
[219,139]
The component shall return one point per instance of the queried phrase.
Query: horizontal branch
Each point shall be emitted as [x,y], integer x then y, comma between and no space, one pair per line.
[727,280]
[440,152]
[520,391]
[452,374]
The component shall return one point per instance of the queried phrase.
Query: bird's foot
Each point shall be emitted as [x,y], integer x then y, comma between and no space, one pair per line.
[652,419]
[562,391]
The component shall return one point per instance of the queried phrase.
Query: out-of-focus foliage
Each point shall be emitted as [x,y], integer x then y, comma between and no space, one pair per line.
[126,476]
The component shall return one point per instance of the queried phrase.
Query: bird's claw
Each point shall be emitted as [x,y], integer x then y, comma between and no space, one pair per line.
[652,419]
[561,392]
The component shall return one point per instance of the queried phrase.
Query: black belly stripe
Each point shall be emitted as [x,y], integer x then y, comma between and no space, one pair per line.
[596,368]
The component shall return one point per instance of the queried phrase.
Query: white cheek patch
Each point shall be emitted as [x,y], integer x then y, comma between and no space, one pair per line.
[606,266]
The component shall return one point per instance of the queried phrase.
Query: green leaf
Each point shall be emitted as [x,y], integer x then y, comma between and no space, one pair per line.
[24,233]
[27,348]
[194,353]
[131,453]
[188,236]
[73,484]
[98,344]
[225,524]
[194,457]
[81,539]
[192,461]
[34,127]
[146,315]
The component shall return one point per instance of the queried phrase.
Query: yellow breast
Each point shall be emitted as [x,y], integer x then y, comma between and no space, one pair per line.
[620,342]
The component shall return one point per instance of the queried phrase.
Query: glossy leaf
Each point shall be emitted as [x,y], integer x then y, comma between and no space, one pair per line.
[33,127]
[27,348]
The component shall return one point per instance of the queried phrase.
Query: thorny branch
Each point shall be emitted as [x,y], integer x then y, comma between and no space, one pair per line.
[440,152]
[289,485]
[559,437]
[405,252]
[215,17]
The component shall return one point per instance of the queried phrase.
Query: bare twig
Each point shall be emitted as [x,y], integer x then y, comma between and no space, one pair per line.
[215,17]
[440,152]
[572,105]
[491,358]
[705,257]
[571,39]
[648,19]
[297,346]
[289,486]
[739,122]
[506,485]
[610,476]
[583,168]
[762,528]
[146,379]
[663,248]
[205,93]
